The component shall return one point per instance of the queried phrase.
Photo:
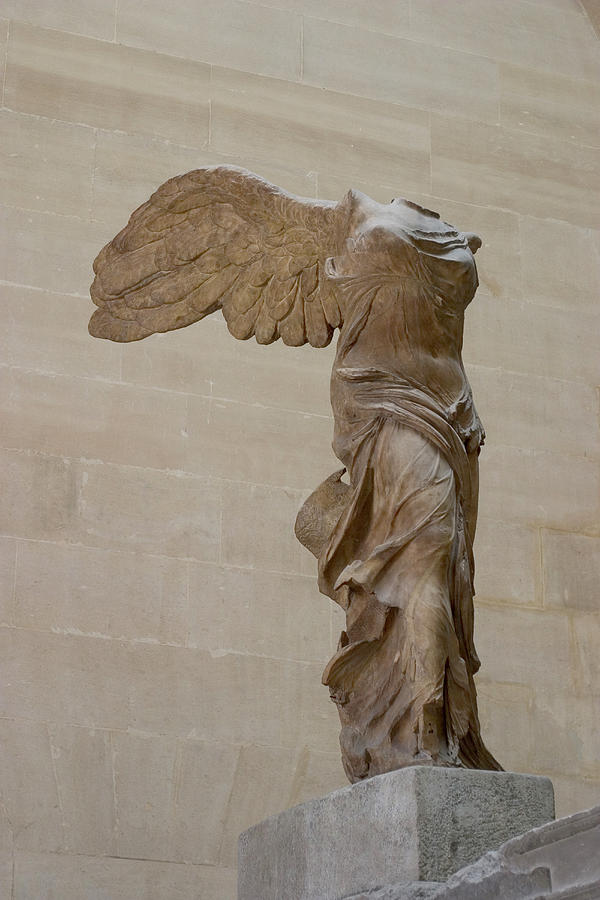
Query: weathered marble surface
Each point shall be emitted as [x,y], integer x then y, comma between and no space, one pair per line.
[395,543]
[422,890]
[418,824]
[531,349]
[558,860]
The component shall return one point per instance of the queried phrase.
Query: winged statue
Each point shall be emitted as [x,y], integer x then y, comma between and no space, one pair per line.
[394,540]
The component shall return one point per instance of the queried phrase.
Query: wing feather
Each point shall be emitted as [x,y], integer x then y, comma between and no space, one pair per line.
[265,330]
[318,329]
[292,327]
[215,238]
[331,308]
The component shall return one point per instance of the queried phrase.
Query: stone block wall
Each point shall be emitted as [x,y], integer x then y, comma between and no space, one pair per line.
[163,636]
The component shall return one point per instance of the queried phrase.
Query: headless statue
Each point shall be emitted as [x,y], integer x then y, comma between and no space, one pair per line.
[394,542]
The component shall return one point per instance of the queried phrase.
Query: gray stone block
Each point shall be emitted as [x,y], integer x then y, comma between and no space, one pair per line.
[414,824]
[416,890]
[588,892]
[559,860]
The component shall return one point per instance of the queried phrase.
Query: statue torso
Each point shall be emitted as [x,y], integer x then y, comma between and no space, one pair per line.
[403,281]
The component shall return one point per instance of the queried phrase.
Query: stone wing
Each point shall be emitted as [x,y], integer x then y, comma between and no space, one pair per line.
[221,238]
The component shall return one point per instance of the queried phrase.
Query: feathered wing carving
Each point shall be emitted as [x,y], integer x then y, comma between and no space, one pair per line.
[215,238]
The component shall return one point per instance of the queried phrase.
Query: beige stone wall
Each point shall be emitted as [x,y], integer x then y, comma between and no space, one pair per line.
[162,633]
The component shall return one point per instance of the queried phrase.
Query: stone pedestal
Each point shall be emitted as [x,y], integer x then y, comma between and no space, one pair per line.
[559,860]
[415,826]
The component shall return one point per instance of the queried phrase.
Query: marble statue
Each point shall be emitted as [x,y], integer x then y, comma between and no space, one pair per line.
[394,541]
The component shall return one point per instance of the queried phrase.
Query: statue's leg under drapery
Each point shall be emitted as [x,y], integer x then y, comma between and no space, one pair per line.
[399,651]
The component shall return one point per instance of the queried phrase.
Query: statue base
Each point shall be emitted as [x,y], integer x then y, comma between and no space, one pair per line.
[411,828]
